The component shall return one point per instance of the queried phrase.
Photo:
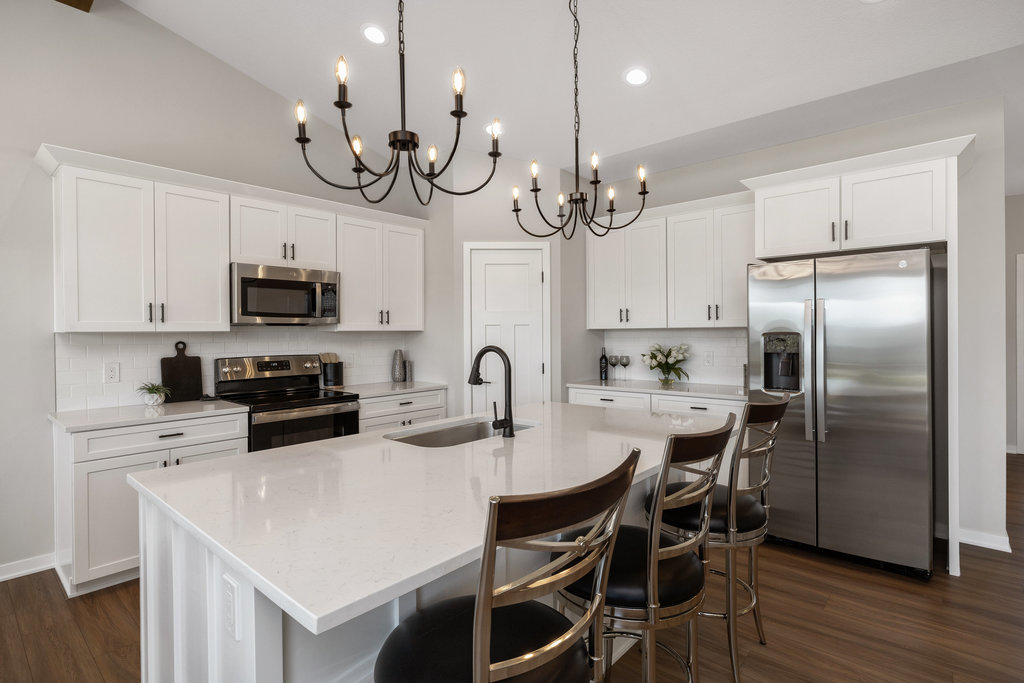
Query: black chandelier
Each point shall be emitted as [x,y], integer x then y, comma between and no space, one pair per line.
[578,211]
[402,140]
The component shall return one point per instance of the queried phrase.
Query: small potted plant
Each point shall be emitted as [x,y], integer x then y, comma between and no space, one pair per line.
[667,362]
[153,394]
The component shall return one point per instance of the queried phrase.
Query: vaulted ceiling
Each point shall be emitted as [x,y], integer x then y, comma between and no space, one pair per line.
[726,75]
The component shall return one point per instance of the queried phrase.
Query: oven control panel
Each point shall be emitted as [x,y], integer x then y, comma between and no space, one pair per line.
[265,367]
[272,365]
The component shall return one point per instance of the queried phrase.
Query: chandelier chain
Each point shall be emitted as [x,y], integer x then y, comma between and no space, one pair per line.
[401,27]
[576,65]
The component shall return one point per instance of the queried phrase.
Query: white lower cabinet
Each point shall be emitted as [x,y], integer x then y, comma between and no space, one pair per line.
[681,405]
[611,399]
[401,410]
[97,525]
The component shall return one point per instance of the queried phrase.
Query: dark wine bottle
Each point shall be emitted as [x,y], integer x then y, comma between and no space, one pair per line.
[603,363]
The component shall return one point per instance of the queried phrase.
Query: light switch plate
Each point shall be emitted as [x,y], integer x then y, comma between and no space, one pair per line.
[231,608]
[709,358]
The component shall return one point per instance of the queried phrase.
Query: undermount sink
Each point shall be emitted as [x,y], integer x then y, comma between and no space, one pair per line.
[450,434]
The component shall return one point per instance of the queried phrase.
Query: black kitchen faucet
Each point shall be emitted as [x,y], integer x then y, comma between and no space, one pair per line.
[504,424]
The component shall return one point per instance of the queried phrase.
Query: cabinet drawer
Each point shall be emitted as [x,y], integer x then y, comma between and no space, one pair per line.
[680,405]
[375,424]
[610,399]
[404,403]
[208,451]
[107,443]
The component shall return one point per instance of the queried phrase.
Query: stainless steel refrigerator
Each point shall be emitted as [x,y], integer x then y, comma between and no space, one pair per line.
[851,337]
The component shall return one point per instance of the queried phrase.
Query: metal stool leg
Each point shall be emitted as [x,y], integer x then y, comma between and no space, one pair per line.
[730,608]
[691,649]
[647,648]
[756,597]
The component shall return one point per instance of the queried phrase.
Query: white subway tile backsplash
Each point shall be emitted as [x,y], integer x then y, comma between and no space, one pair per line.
[79,358]
[728,346]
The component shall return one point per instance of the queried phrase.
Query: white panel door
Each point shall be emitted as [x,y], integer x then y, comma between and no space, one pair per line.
[107,248]
[645,274]
[359,262]
[507,310]
[312,239]
[690,257]
[259,231]
[192,257]
[734,249]
[606,280]
[902,205]
[403,278]
[107,514]
[800,218]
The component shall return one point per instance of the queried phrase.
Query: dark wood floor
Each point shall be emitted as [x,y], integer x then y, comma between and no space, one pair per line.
[826,619]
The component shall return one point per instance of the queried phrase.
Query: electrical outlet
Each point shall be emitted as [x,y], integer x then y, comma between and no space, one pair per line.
[231,607]
[709,358]
[111,372]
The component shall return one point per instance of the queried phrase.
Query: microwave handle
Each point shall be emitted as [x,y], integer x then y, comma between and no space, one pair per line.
[319,306]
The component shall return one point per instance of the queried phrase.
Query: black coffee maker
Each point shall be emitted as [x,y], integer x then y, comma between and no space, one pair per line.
[331,371]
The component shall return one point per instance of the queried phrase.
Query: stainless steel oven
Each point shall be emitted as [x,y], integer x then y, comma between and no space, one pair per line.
[274,295]
[286,404]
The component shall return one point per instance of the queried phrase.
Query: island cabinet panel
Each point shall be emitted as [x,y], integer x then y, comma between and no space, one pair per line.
[626,277]
[382,276]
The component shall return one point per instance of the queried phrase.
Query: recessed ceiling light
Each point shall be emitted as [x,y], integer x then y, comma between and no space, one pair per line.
[636,75]
[375,34]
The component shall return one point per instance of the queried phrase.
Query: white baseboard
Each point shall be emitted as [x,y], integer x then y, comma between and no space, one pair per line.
[984,540]
[1011,449]
[30,565]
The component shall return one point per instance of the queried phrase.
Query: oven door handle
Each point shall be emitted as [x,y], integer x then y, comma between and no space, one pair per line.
[300,413]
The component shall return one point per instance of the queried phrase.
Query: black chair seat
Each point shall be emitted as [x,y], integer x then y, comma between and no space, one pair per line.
[679,578]
[750,515]
[435,645]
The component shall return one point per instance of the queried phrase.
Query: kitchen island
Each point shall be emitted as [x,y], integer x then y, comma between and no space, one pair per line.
[295,563]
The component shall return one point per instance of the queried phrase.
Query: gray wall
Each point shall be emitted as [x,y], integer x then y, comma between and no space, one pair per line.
[111,82]
[982,317]
[1014,246]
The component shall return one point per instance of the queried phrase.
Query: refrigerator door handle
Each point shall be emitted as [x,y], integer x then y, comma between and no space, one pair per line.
[819,375]
[808,369]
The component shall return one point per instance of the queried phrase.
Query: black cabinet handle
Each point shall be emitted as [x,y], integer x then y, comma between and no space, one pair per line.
[833,231]
[627,315]
[620,315]
[163,464]
[151,311]
[293,251]
[846,230]
[284,250]
[380,317]
[177,461]
[610,400]
[716,311]
[709,311]
[167,436]
[387,317]
[405,403]
[163,314]
[697,408]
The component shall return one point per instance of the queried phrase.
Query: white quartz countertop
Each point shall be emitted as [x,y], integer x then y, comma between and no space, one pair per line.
[127,416]
[392,388]
[331,529]
[651,386]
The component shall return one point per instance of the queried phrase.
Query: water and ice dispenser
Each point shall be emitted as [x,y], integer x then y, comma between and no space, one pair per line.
[781,361]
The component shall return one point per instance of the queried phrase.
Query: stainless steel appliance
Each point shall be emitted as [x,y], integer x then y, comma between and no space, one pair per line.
[286,404]
[274,295]
[852,336]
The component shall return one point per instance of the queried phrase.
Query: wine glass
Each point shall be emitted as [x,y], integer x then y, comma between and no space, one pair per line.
[624,362]
[612,361]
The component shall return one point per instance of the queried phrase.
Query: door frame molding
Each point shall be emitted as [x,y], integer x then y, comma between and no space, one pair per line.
[1019,446]
[467,308]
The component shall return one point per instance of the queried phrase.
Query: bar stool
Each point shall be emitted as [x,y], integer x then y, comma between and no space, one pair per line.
[739,514]
[656,581]
[503,632]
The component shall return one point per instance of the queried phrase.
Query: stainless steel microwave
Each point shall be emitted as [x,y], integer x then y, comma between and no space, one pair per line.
[276,295]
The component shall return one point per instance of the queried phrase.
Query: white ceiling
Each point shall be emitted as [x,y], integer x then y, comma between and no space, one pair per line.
[727,76]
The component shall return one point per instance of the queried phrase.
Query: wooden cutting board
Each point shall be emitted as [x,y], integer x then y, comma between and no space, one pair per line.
[183,375]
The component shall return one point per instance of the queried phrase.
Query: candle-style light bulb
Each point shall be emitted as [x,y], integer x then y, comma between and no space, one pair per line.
[495,129]
[432,154]
[357,146]
[459,81]
[611,194]
[561,200]
[515,192]
[534,168]
[593,161]
[341,70]
[300,112]
[641,173]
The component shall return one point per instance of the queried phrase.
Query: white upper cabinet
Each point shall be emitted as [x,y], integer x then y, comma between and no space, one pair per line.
[192,255]
[137,256]
[382,276]
[708,253]
[799,218]
[626,277]
[275,234]
[895,198]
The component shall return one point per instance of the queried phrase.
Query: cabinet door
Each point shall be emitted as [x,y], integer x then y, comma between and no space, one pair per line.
[105,248]
[606,280]
[192,255]
[359,262]
[800,218]
[312,239]
[403,278]
[259,231]
[690,250]
[902,205]
[734,249]
[645,274]
[208,451]
[107,514]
